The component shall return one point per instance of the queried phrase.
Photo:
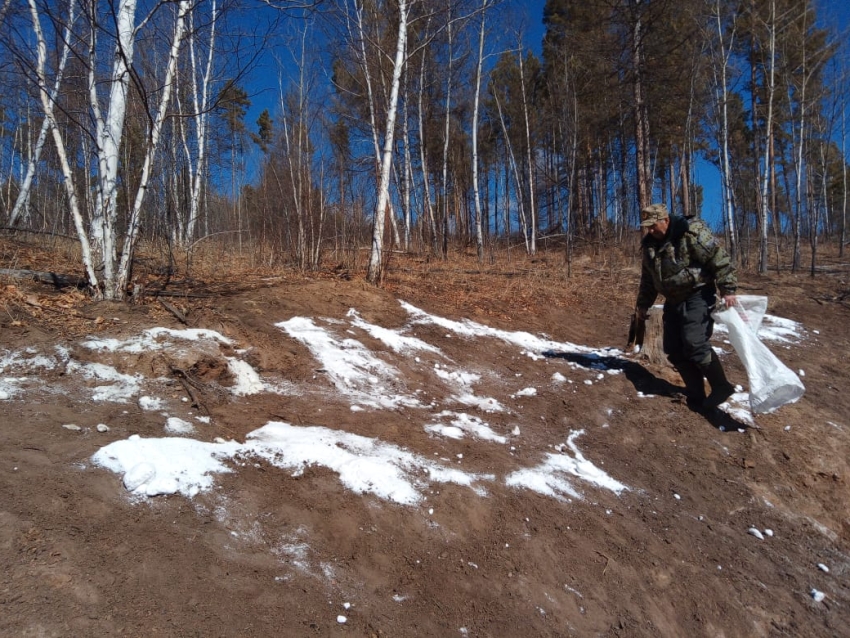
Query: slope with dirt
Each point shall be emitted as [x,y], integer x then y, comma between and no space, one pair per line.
[271,550]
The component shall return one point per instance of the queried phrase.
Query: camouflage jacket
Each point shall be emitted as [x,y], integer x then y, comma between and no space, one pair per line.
[687,259]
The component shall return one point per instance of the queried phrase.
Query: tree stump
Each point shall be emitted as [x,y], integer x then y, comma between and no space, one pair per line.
[653,347]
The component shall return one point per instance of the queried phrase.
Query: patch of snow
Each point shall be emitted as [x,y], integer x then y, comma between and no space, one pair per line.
[153,339]
[150,403]
[550,477]
[350,366]
[248,382]
[123,388]
[178,426]
[461,424]
[392,338]
[180,465]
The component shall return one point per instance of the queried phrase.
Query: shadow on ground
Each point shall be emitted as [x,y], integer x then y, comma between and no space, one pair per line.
[647,383]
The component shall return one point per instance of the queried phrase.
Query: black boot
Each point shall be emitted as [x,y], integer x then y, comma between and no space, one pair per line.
[694,386]
[721,389]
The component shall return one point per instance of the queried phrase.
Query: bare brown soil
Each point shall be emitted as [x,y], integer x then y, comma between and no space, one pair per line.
[79,558]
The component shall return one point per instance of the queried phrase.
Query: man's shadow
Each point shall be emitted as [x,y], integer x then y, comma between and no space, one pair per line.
[646,383]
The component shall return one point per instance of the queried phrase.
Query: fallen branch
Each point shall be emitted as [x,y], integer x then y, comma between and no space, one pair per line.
[174,311]
[174,293]
[187,382]
[57,280]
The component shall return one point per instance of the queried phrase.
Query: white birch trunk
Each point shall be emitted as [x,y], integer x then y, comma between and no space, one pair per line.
[446,133]
[763,215]
[200,98]
[509,149]
[725,165]
[376,257]
[67,173]
[408,171]
[109,138]
[153,144]
[24,193]
[423,156]
[798,165]
[479,229]
[530,159]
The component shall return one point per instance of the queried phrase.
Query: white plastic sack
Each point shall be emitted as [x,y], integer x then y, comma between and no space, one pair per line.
[772,383]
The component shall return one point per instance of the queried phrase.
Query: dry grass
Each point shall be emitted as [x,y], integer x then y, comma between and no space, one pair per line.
[509,283]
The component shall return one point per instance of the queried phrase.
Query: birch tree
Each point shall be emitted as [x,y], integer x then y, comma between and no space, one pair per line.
[68,182]
[108,245]
[721,68]
[479,229]
[529,157]
[641,117]
[22,199]
[375,271]
[132,231]
[200,74]
[446,138]
[768,155]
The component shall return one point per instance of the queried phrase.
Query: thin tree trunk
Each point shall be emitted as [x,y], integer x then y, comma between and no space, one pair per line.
[109,139]
[446,137]
[641,118]
[479,231]
[200,98]
[375,271]
[24,192]
[423,157]
[530,159]
[153,143]
[67,173]
[763,213]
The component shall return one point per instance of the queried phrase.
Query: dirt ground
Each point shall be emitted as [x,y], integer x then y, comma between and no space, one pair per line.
[670,556]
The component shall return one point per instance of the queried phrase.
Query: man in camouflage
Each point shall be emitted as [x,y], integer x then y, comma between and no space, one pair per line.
[683,261]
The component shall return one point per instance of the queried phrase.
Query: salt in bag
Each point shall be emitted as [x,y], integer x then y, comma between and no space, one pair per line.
[772,383]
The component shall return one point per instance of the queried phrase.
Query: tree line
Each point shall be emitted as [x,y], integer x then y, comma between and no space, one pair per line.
[417,125]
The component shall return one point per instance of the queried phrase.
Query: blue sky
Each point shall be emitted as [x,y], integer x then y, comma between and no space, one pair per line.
[833,14]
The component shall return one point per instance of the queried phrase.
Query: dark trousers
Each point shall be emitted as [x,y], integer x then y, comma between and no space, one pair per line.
[688,327]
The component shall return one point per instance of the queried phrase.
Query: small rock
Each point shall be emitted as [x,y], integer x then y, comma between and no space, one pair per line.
[817,596]
[755,532]
[768,532]
[102,427]
[823,568]
[72,426]
[341,619]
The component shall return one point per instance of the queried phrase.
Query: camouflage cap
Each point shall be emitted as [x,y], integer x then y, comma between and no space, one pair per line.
[653,213]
